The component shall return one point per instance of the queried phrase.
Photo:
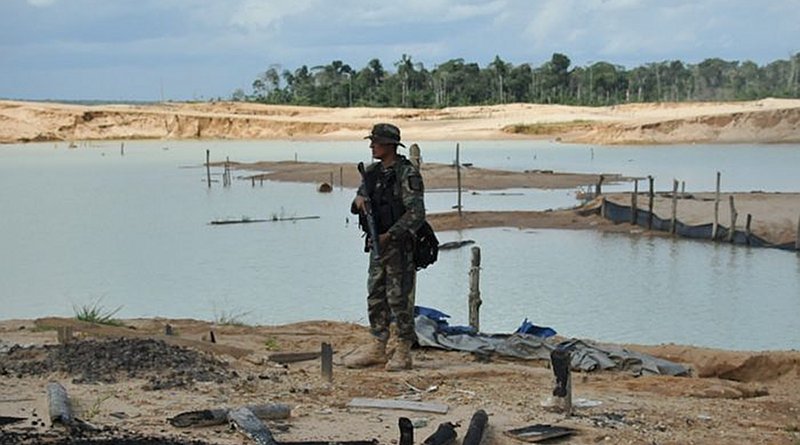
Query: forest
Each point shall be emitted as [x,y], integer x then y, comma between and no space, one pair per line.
[457,82]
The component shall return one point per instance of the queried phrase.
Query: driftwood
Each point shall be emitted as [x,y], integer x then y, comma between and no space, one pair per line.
[477,427]
[455,244]
[437,408]
[58,405]
[220,222]
[219,416]
[292,357]
[445,434]
[7,420]
[244,421]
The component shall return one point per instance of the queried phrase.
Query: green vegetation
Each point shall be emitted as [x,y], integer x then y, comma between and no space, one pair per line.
[458,83]
[95,313]
[271,344]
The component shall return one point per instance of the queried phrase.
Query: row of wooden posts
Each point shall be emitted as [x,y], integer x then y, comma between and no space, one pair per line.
[674,214]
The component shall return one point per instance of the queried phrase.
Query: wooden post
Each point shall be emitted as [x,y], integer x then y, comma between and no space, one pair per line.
[747,232]
[603,207]
[634,202]
[734,215]
[331,182]
[327,362]
[683,189]
[561,362]
[674,224]
[458,178]
[715,227]
[797,241]
[651,195]
[208,168]
[59,407]
[474,289]
[252,181]
[414,155]
[64,335]
[598,190]
[341,178]
[122,149]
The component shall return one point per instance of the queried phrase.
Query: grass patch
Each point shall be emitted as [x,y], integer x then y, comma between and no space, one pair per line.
[230,317]
[96,313]
[549,128]
[271,344]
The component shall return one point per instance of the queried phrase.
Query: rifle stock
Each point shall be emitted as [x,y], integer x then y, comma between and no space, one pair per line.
[372,226]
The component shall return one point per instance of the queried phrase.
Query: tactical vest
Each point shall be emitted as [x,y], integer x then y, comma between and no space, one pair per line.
[383,189]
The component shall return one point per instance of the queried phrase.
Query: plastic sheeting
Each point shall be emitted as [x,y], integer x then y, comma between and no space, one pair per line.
[586,356]
[620,213]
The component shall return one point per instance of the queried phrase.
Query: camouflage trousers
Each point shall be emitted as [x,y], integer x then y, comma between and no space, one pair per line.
[389,285]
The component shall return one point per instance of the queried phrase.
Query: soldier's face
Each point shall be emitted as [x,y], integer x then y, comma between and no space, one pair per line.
[379,150]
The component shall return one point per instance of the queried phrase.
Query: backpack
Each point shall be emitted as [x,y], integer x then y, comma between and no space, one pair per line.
[426,246]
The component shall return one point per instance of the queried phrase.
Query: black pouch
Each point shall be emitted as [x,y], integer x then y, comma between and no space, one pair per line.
[426,246]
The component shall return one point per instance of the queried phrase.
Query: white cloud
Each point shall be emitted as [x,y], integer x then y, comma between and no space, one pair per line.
[41,3]
[258,14]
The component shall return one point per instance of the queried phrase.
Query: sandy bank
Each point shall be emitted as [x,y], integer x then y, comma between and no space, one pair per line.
[770,120]
[731,397]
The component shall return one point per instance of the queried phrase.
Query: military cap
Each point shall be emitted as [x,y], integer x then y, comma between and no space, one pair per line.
[385,134]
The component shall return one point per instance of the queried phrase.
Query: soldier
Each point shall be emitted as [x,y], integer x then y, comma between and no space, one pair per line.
[395,190]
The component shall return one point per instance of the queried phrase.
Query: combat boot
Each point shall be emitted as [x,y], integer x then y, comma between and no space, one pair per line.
[401,359]
[373,353]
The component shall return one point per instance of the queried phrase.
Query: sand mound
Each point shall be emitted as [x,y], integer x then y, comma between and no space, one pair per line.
[773,120]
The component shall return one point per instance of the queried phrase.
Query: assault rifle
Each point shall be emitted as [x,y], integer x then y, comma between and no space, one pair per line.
[372,225]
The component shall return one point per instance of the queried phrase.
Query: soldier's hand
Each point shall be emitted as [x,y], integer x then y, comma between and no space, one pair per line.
[359,204]
[383,240]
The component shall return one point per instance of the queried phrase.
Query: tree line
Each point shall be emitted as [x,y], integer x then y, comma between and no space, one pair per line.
[460,83]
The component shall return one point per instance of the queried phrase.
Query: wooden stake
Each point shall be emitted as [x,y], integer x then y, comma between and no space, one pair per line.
[651,195]
[715,227]
[341,178]
[734,215]
[634,202]
[674,224]
[327,362]
[208,168]
[797,241]
[474,289]
[458,178]
[747,231]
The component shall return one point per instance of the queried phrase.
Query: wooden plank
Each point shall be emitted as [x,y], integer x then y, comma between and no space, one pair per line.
[363,402]
[250,426]
[116,331]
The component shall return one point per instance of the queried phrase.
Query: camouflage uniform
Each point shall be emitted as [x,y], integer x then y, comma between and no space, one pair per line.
[391,278]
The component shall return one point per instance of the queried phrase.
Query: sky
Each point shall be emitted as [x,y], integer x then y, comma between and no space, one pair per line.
[151,50]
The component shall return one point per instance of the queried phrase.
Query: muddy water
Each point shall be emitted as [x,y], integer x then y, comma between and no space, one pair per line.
[131,230]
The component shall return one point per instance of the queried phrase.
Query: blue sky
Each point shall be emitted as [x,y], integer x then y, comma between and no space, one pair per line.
[202,49]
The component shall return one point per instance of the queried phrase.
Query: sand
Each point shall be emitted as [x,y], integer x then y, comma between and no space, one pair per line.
[731,397]
[768,120]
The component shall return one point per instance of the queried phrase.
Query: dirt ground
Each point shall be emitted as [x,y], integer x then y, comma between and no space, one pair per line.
[731,397]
